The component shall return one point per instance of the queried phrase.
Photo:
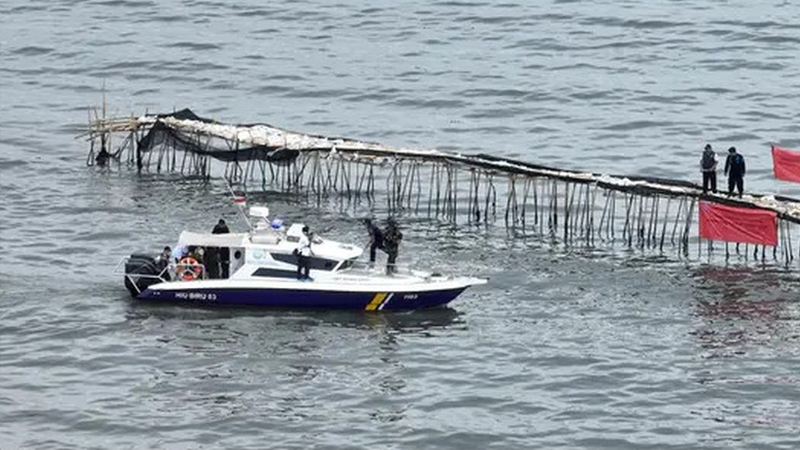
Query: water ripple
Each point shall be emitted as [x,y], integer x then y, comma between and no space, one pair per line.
[564,348]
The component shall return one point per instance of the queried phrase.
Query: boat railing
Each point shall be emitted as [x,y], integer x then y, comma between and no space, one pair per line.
[119,269]
[182,271]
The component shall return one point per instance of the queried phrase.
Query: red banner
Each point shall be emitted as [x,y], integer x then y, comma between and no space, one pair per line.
[786,164]
[734,224]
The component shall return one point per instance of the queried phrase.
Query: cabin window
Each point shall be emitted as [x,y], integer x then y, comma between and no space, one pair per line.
[274,273]
[316,262]
[346,264]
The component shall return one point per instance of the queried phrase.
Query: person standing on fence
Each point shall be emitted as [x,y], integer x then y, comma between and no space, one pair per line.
[735,169]
[708,165]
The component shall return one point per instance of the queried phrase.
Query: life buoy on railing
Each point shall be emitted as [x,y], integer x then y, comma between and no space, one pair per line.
[189,269]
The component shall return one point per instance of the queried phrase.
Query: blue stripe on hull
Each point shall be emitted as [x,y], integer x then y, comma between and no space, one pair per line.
[285,298]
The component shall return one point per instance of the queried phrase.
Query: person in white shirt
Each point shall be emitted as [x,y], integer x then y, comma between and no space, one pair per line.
[179,252]
[304,256]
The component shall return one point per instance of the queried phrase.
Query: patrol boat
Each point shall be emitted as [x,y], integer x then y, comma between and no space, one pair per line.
[263,268]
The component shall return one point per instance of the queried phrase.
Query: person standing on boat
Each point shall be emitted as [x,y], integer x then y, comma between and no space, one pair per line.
[223,253]
[735,169]
[179,252]
[163,262]
[304,256]
[375,239]
[708,165]
[165,256]
[391,242]
[212,262]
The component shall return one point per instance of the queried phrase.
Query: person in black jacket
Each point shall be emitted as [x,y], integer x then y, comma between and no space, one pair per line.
[162,263]
[221,227]
[735,169]
[391,242]
[375,239]
[223,253]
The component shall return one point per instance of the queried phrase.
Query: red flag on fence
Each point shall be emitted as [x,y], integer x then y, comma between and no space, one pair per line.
[735,224]
[786,164]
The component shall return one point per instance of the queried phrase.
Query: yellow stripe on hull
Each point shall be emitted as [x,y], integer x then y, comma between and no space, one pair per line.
[376,301]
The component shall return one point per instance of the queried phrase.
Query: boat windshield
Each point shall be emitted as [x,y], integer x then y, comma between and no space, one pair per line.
[346,264]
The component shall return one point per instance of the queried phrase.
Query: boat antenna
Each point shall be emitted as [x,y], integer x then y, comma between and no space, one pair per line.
[239,204]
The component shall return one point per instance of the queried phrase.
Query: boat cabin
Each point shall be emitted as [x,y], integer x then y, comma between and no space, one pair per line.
[268,250]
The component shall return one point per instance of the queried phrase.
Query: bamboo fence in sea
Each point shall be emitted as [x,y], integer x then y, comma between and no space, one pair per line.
[565,206]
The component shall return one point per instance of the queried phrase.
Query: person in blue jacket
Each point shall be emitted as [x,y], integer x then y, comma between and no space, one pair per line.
[735,169]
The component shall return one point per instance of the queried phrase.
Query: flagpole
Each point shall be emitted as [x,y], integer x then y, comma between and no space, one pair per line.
[241,208]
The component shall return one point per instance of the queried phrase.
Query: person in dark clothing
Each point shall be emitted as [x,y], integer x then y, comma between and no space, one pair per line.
[223,253]
[391,242]
[221,227]
[164,258]
[212,262]
[162,262]
[708,165]
[375,239]
[735,169]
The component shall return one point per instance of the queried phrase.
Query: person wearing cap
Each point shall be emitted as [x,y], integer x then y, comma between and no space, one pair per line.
[708,166]
[304,256]
[735,169]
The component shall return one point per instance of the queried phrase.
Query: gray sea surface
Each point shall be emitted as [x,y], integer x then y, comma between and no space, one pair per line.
[562,349]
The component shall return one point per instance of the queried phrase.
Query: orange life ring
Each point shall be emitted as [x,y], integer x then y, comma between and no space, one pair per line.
[189,269]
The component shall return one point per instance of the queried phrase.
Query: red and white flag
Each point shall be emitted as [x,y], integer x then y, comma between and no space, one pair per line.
[239,198]
[786,164]
[736,224]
